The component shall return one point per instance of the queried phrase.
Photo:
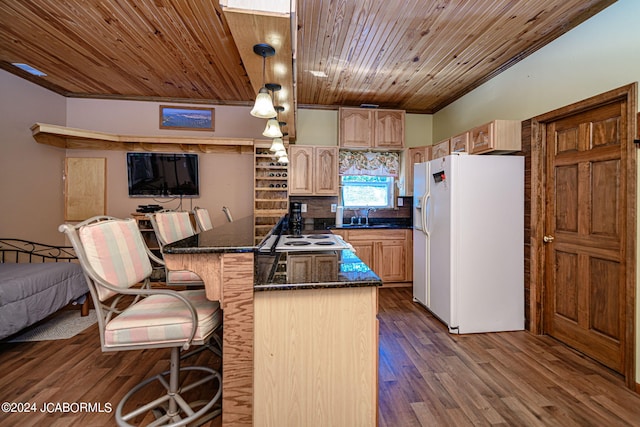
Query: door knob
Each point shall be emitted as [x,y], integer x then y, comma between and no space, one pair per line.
[548,239]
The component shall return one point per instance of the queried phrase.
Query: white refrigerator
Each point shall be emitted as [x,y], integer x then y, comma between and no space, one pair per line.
[468,237]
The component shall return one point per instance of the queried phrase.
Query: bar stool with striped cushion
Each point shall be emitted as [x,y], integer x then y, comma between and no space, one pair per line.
[169,227]
[114,258]
[203,219]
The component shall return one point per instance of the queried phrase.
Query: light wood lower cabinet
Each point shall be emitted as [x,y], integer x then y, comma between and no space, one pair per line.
[388,252]
[316,357]
[313,267]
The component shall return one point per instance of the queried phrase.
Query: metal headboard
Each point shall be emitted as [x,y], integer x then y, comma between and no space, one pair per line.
[25,251]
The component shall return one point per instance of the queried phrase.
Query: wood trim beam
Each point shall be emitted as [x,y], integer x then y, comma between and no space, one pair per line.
[73,138]
[250,27]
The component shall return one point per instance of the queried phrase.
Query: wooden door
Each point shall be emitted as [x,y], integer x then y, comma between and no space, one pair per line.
[85,193]
[301,170]
[325,171]
[587,230]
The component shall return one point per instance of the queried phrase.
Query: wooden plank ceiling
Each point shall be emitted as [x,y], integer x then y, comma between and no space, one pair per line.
[408,54]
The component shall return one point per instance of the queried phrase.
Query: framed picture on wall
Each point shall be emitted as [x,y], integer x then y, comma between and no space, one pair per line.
[187,118]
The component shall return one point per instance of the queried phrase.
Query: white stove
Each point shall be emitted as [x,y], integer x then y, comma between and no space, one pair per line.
[305,242]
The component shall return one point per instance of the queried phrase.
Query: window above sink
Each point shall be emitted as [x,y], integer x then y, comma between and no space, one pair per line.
[363,191]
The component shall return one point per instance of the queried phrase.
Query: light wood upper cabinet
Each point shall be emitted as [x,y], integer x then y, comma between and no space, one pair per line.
[371,128]
[412,156]
[325,172]
[301,170]
[389,129]
[314,170]
[460,143]
[440,149]
[498,135]
[356,128]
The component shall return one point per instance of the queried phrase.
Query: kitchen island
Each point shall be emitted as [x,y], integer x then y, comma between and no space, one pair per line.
[300,329]
[316,340]
[224,258]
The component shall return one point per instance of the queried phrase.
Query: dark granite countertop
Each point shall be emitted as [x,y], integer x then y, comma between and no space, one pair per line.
[374,223]
[236,236]
[282,270]
[311,270]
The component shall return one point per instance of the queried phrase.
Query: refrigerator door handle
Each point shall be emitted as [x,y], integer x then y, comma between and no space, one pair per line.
[426,205]
[423,214]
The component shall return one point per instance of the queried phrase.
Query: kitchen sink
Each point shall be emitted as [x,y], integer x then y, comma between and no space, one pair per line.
[386,225]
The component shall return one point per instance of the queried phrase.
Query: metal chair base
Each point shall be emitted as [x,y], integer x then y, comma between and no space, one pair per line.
[171,409]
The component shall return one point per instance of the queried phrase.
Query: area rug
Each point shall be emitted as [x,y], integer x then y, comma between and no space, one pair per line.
[64,325]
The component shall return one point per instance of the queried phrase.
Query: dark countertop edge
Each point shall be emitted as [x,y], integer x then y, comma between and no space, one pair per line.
[302,286]
[209,250]
[372,227]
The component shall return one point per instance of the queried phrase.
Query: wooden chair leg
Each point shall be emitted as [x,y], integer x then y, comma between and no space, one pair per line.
[84,308]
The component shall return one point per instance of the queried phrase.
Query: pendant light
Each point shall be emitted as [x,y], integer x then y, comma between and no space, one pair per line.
[263,107]
[273,130]
[277,145]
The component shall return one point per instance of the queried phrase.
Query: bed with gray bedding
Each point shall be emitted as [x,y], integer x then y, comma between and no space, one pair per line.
[36,280]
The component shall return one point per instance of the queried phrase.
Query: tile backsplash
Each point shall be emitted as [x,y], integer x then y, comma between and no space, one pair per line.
[319,209]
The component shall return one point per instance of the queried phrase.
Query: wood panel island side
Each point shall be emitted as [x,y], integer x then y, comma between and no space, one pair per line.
[300,337]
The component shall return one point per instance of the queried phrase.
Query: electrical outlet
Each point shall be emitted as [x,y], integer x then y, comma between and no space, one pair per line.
[303,208]
[400,201]
[334,207]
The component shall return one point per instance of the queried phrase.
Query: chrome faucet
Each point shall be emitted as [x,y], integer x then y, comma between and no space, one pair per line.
[366,216]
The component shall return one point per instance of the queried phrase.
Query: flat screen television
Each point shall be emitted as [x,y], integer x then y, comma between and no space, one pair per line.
[163,175]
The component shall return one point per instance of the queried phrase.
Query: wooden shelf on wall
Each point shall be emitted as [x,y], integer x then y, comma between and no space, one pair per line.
[72,138]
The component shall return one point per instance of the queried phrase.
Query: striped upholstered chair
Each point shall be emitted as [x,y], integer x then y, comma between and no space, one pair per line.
[203,219]
[171,226]
[114,257]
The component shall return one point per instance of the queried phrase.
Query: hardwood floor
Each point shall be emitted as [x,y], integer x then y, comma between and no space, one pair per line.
[427,377]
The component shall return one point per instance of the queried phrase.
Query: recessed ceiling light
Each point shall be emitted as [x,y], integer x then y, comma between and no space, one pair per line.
[29,69]
[318,73]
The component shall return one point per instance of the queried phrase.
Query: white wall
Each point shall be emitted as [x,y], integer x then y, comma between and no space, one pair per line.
[601,54]
[30,173]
